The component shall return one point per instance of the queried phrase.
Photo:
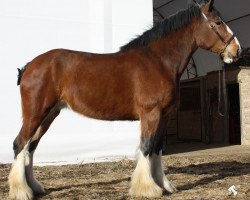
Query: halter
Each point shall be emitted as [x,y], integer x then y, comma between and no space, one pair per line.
[226,41]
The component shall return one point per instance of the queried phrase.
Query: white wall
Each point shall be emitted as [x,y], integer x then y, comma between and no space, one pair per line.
[29,28]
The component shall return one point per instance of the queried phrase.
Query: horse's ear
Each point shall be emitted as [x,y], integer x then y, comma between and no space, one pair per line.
[208,7]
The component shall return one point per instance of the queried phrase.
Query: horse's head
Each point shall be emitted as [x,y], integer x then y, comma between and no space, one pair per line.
[213,34]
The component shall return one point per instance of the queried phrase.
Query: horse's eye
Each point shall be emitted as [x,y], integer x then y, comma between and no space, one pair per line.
[218,23]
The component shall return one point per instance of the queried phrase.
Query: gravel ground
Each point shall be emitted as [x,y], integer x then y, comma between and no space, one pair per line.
[205,174]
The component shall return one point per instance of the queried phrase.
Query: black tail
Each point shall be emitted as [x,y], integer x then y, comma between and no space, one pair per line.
[20,73]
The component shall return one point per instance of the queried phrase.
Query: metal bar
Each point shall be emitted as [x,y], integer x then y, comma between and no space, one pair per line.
[195,67]
[159,13]
[247,15]
[231,20]
[193,74]
[192,69]
[165,4]
[188,73]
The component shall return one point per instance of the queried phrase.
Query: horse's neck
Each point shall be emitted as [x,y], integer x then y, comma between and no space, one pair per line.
[176,49]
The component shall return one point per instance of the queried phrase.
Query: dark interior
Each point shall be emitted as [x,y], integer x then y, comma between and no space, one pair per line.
[234,114]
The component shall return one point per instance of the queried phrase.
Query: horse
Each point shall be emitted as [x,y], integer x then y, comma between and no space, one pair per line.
[138,82]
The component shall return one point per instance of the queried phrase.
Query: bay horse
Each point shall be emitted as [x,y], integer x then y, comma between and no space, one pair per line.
[139,82]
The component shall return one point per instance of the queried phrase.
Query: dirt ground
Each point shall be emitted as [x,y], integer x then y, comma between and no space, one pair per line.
[204,174]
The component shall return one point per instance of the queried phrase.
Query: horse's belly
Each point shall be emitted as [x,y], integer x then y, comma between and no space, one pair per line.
[102,108]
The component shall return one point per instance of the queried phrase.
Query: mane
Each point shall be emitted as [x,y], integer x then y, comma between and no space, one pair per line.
[163,28]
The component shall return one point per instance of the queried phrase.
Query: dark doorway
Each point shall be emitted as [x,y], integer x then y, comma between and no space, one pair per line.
[234,113]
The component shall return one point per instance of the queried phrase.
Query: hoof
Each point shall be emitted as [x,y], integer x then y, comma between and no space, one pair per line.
[37,188]
[147,190]
[168,186]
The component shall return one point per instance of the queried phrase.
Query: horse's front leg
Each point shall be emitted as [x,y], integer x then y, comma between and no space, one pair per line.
[142,182]
[156,159]
[158,173]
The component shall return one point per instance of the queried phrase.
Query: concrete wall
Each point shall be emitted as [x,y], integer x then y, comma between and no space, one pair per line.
[244,82]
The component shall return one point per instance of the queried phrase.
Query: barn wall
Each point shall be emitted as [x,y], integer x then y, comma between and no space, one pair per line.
[29,28]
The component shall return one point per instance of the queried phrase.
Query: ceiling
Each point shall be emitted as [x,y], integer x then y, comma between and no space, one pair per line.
[235,12]
[230,9]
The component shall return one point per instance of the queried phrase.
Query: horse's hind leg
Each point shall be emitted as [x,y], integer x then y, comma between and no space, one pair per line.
[21,179]
[39,107]
[143,183]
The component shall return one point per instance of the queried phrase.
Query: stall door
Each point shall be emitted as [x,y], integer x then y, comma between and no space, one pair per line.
[189,114]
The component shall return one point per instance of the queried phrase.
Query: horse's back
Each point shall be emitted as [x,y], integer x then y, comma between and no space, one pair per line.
[95,85]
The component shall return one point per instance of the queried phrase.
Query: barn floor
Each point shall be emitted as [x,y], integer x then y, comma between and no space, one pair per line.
[202,174]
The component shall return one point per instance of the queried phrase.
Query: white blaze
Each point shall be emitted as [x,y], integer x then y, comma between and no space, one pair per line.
[235,38]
